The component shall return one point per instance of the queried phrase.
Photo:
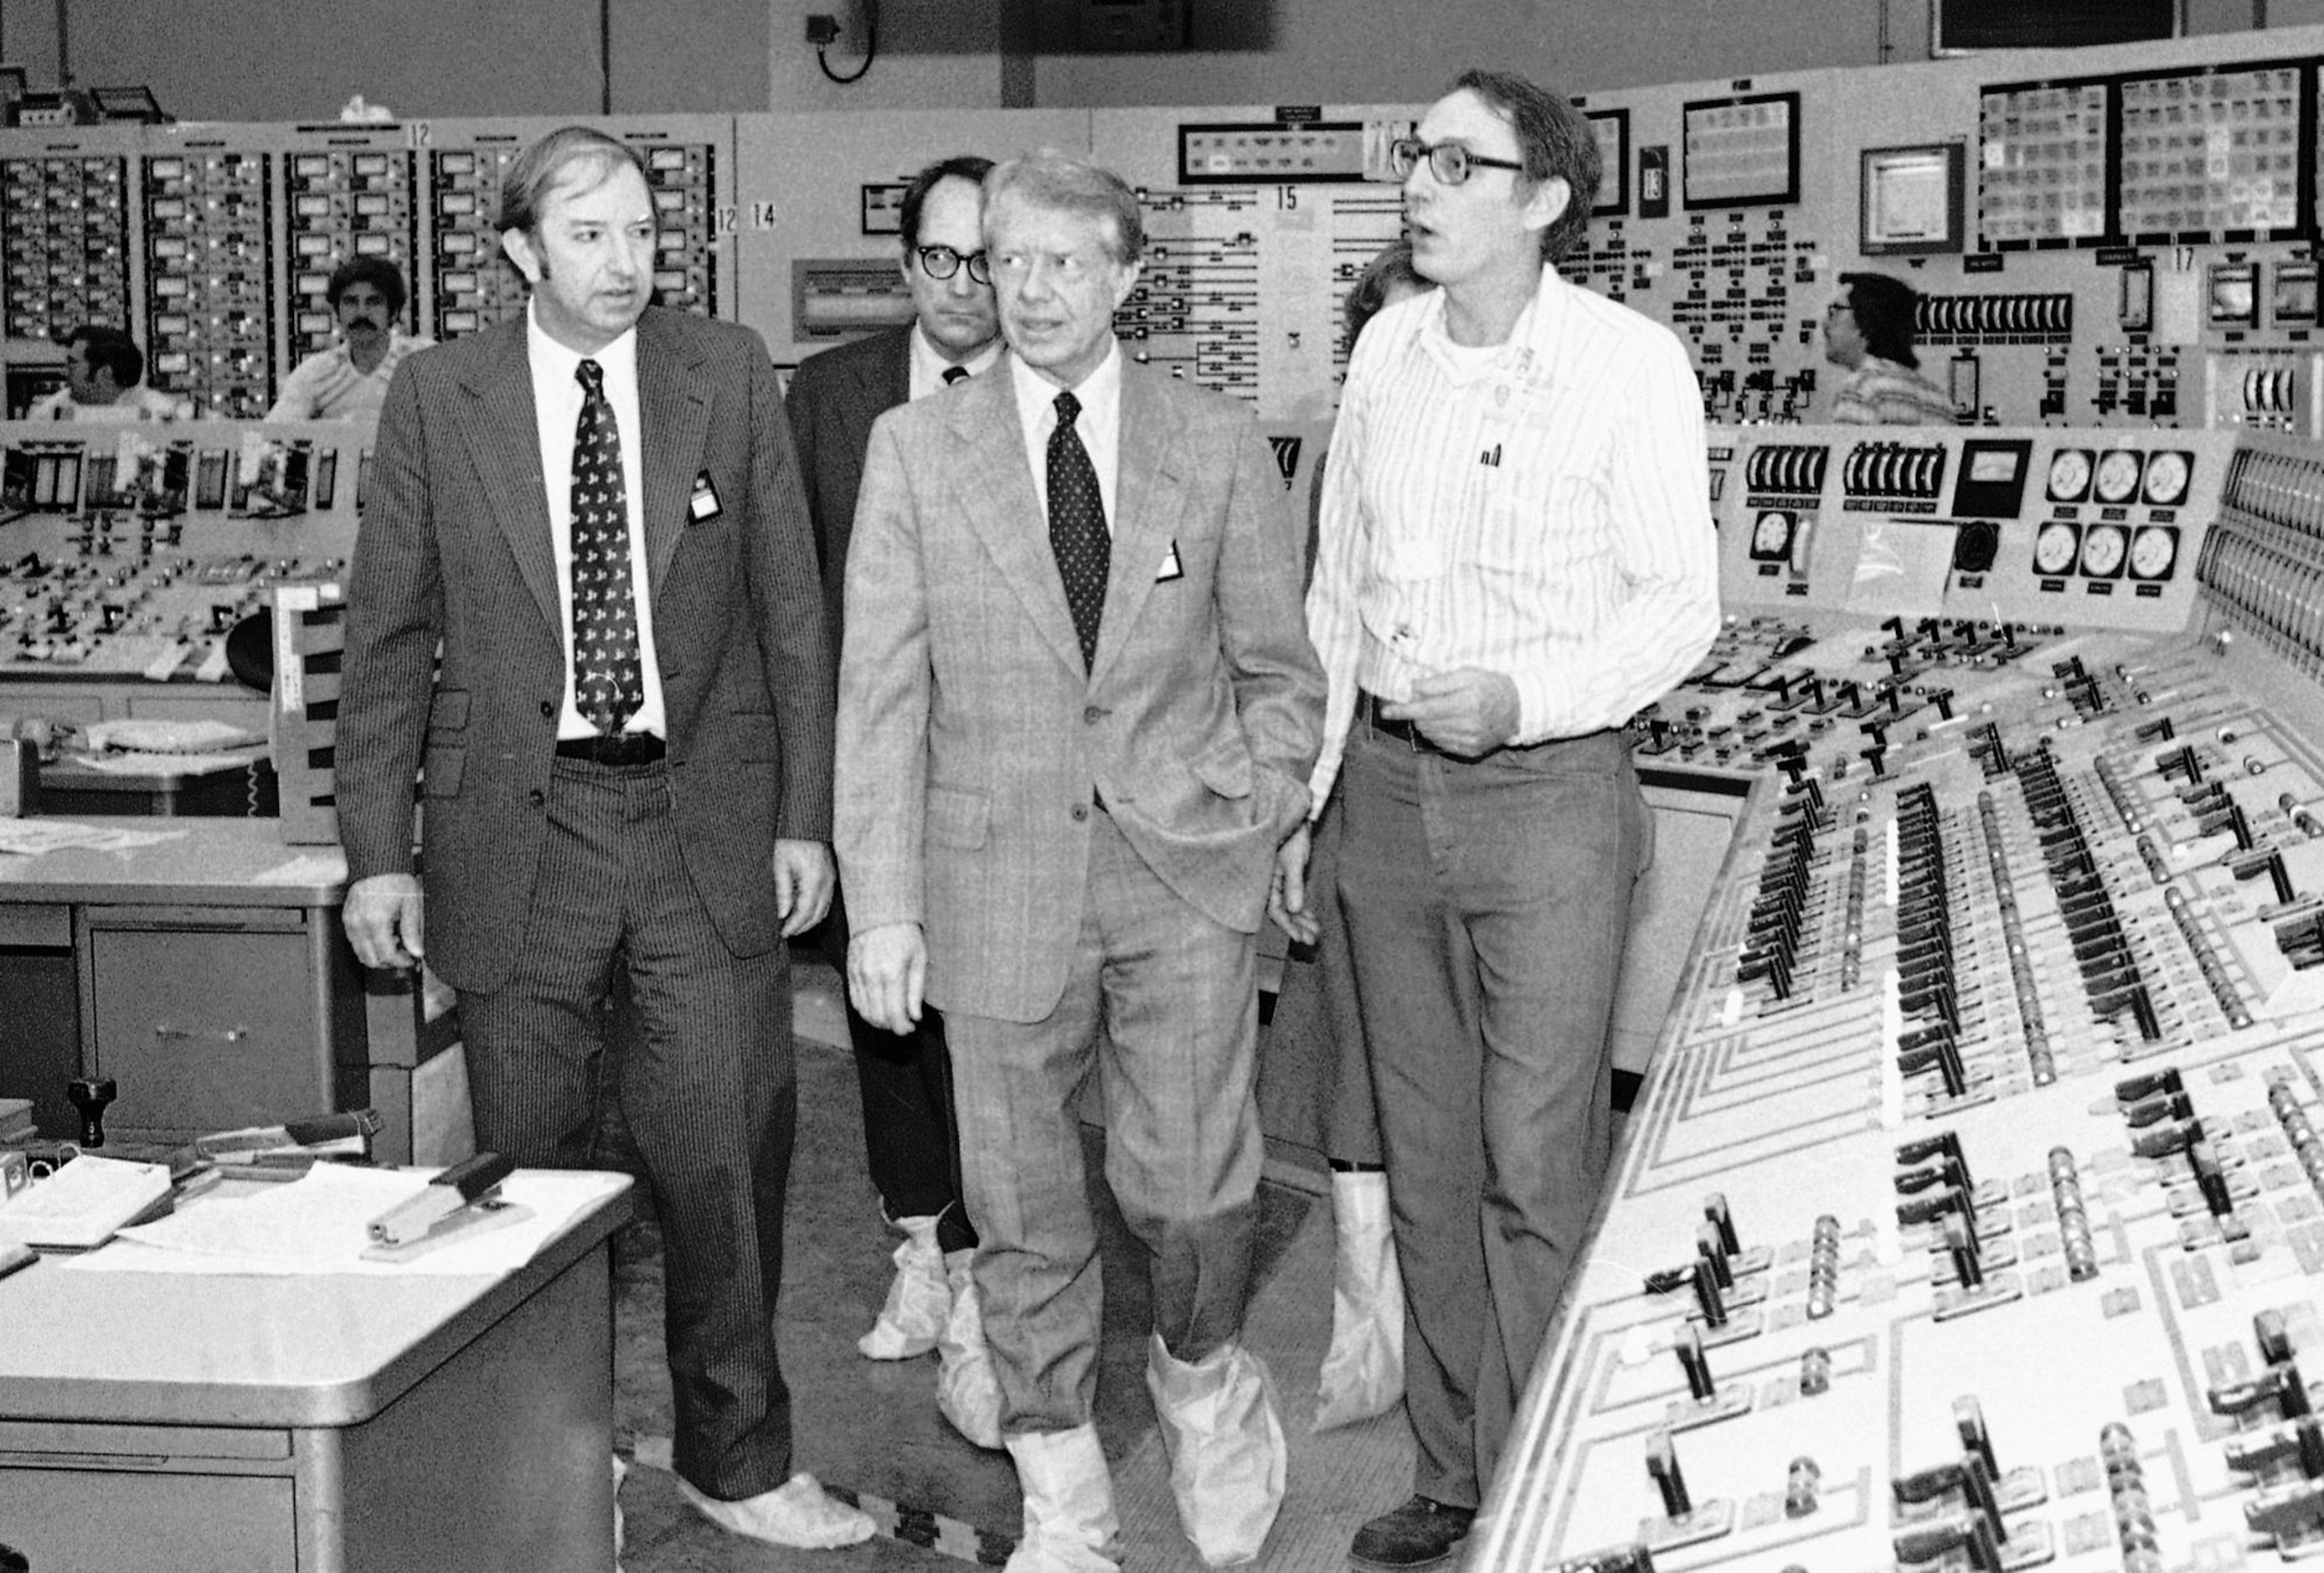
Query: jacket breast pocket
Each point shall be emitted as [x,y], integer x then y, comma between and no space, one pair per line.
[958,819]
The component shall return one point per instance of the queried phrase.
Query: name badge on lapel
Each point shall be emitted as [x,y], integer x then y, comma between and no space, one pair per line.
[704,505]
[1170,568]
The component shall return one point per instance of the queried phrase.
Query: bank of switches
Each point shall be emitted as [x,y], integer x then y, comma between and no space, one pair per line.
[134,555]
[1974,1214]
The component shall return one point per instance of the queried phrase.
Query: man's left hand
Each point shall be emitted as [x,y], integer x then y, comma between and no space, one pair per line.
[1468,711]
[803,880]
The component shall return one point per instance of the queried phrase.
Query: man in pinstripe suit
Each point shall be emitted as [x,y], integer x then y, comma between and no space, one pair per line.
[594,512]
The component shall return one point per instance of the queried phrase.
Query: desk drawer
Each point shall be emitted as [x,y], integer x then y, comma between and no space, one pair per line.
[104,1521]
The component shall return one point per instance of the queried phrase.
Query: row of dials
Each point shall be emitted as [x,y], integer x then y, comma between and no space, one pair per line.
[1892,469]
[2121,475]
[2100,551]
[2105,551]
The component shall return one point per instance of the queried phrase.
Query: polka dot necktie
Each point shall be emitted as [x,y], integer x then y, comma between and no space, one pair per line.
[1077,531]
[608,679]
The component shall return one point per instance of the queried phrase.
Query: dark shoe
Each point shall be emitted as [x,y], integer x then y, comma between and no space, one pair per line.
[1420,1533]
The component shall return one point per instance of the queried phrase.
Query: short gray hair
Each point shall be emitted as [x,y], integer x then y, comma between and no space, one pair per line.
[1061,182]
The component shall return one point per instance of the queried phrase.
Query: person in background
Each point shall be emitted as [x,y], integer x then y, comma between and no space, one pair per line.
[348,381]
[1076,709]
[105,374]
[1867,331]
[1314,1078]
[911,1139]
[585,595]
[1518,554]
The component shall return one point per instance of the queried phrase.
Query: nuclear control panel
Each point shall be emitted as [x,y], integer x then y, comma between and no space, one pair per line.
[1972,1214]
[130,555]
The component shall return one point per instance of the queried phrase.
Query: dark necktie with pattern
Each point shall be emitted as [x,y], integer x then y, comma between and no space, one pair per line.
[1077,531]
[608,678]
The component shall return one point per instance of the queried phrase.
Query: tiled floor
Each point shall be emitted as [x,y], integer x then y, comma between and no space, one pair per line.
[872,1429]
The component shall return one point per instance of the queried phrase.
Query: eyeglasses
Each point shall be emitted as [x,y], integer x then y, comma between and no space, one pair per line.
[1449,161]
[1834,307]
[941,262]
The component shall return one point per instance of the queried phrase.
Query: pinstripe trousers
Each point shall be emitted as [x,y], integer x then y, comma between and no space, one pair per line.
[706,1086]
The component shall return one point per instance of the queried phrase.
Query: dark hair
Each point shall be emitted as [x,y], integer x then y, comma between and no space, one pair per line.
[377,271]
[539,168]
[110,349]
[1391,265]
[1554,141]
[1050,179]
[1883,309]
[965,166]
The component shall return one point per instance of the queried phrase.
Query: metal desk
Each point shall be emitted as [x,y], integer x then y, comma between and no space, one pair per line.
[152,1424]
[210,980]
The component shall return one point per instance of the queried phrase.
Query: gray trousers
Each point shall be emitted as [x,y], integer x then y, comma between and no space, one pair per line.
[707,1089]
[1162,1004]
[1487,904]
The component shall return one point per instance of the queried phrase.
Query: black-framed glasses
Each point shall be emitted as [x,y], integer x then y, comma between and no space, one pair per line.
[941,262]
[1449,161]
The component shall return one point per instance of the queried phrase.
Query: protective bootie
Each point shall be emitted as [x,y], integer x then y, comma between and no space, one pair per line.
[1069,1521]
[1226,1449]
[918,1300]
[967,1393]
[1363,1370]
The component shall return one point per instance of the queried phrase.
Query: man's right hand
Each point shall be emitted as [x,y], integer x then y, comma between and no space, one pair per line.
[886,968]
[382,920]
[1286,896]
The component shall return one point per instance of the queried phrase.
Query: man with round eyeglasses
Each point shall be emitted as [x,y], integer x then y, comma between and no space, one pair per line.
[1516,555]
[910,1138]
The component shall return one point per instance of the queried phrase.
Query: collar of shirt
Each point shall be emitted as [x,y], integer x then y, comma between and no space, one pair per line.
[928,366]
[556,404]
[1099,423]
[1528,352]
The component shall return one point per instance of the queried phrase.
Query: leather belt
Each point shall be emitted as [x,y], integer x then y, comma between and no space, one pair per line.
[620,748]
[1368,711]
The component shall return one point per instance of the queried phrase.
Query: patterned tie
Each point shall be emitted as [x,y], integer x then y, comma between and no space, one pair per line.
[608,679]
[1077,531]
[954,374]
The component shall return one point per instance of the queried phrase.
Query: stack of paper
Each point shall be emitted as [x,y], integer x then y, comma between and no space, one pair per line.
[82,1203]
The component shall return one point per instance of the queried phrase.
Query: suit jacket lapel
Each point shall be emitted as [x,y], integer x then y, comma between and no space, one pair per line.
[504,434]
[677,419]
[997,496]
[1147,502]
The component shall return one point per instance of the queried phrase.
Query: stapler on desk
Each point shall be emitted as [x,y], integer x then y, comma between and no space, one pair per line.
[458,1204]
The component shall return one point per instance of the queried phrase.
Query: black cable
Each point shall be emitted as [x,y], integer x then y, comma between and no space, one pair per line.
[871,47]
[604,57]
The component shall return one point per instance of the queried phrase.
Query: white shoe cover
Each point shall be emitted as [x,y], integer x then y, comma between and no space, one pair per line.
[919,1299]
[1363,1370]
[795,1513]
[967,1393]
[1070,1525]
[1227,1455]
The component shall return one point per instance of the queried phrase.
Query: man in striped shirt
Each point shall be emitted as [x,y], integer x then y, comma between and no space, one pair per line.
[348,381]
[1867,331]
[1517,554]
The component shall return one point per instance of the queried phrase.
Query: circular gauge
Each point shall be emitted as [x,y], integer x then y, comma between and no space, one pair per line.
[2103,546]
[1976,546]
[2166,478]
[1771,537]
[2153,552]
[2054,549]
[2070,475]
[2117,476]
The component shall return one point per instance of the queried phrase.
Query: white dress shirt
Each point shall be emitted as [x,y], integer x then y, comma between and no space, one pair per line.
[928,366]
[1099,424]
[557,404]
[1539,508]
